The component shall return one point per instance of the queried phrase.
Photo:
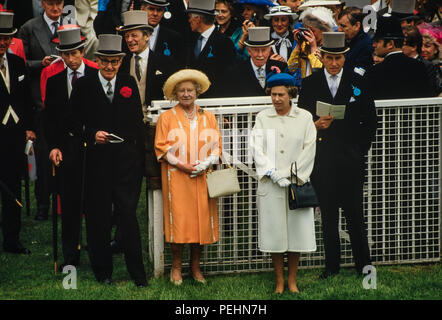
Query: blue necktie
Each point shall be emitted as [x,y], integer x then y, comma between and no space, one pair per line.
[197,50]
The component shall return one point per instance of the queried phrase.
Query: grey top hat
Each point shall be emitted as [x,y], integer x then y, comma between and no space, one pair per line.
[201,6]
[357,3]
[259,37]
[70,39]
[6,26]
[135,19]
[333,42]
[403,9]
[280,11]
[160,3]
[109,45]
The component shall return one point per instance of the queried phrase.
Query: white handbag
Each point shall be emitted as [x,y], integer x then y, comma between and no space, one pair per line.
[223,182]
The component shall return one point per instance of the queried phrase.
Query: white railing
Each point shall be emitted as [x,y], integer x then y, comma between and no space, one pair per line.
[402,194]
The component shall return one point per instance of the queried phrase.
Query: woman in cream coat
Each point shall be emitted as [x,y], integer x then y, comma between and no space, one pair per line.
[282,135]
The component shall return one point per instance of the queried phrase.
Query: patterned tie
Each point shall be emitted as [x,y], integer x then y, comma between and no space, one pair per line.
[334,85]
[74,78]
[197,50]
[138,67]
[109,92]
[261,77]
[55,25]
[2,66]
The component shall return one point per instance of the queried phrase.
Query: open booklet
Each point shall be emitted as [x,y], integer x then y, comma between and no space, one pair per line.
[325,109]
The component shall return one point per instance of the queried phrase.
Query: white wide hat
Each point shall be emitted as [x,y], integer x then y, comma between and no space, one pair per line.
[310,3]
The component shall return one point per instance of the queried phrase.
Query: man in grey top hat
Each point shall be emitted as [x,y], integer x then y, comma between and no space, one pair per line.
[247,78]
[340,149]
[40,51]
[16,127]
[210,51]
[105,109]
[66,150]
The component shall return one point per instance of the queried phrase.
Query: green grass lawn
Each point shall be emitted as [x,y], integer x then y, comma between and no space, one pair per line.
[32,277]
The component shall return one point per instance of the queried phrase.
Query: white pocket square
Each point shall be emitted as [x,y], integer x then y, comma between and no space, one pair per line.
[20,78]
[158,72]
[352,99]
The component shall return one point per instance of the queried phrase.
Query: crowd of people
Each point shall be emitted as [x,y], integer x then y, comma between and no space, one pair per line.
[79,84]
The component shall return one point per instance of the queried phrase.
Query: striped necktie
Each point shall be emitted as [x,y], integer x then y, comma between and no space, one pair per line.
[2,66]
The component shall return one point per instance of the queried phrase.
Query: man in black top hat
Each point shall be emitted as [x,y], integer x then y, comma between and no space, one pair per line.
[16,127]
[163,41]
[404,11]
[387,78]
[66,150]
[105,107]
[341,146]
[209,51]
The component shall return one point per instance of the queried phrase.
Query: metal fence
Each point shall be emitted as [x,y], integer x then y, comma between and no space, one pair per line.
[402,192]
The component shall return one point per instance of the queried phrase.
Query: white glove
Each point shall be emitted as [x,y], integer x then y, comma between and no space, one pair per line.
[275,176]
[203,166]
[284,182]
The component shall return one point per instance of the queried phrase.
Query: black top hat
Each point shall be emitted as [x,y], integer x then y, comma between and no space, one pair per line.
[388,28]
[6,27]
[159,3]
[201,6]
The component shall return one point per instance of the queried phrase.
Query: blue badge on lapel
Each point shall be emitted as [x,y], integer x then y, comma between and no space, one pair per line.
[210,55]
[166,51]
[356,91]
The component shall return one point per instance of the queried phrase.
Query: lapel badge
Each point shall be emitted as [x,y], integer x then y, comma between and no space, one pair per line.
[166,51]
[210,55]
[356,91]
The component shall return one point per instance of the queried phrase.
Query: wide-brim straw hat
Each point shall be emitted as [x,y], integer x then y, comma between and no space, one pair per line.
[185,75]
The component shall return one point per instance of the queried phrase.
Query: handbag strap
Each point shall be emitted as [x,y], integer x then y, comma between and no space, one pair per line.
[296,173]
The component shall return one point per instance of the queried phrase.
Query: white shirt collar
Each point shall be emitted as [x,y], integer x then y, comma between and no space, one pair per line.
[255,68]
[104,81]
[50,22]
[80,70]
[329,76]
[395,52]
[5,60]
[144,54]
[206,34]
[153,37]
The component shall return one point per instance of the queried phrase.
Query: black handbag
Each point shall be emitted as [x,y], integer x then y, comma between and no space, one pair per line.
[301,196]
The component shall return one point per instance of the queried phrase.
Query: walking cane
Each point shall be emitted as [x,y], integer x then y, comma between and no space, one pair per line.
[54,219]
[9,193]
[83,174]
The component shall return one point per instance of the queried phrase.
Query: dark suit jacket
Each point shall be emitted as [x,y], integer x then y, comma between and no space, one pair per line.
[347,140]
[171,44]
[36,37]
[241,80]
[159,68]
[89,108]
[18,98]
[56,110]
[399,77]
[217,55]
[361,52]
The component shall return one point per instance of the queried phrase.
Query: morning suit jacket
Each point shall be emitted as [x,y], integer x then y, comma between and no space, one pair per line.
[347,140]
[56,110]
[170,43]
[37,37]
[159,68]
[217,55]
[12,145]
[399,77]
[241,80]
[361,51]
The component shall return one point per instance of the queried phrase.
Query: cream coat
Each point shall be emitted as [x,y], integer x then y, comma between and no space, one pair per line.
[289,138]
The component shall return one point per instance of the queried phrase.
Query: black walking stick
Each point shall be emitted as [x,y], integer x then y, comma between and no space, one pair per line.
[54,219]
[83,174]
[27,195]
[8,191]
